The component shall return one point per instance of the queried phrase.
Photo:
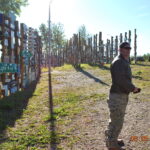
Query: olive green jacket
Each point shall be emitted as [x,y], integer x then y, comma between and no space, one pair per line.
[121,76]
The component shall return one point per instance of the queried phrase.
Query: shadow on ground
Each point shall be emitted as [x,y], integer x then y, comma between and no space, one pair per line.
[137,77]
[12,107]
[53,135]
[100,66]
[78,68]
[141,64]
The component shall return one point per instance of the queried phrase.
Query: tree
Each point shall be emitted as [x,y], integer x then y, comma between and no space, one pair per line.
[147,57]
[13,6]
[44,35]
[57,33]
[58,36]
[83,33]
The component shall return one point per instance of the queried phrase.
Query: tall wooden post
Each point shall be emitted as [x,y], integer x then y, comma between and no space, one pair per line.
[125,37]
[116,46]
[17,51]
[129,38]
[91,60]
[135,45]
[79,50]
[111,49]
[121,38]
[96,52]
[107,51]
[101,49]
[3,53]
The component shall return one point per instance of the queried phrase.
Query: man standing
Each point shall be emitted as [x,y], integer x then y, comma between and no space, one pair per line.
[118,96]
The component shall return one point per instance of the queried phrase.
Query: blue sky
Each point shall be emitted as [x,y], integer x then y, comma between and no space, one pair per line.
[112,17]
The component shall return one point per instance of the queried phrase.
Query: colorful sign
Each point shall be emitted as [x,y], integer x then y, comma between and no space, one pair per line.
[26,53]
[8,68]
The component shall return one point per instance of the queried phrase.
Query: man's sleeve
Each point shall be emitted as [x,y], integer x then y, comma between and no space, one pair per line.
[122,76]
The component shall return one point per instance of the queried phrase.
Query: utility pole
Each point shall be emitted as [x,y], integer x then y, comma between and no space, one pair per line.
[49,64]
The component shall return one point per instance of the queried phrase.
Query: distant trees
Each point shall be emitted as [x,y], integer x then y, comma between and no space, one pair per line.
[83,33]
[44,35]
[147,57]
[13,6]
[57,36]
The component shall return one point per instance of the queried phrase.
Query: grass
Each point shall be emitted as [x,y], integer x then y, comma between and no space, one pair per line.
[25,120]
[141,74]
[31,127]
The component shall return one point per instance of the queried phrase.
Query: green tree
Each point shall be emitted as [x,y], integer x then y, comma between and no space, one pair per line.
[83,32]
[44,35]
[13,6]
[57,35]
[146,57]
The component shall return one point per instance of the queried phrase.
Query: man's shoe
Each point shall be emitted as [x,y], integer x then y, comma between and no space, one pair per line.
[120,142]
[113,149]
[121,148]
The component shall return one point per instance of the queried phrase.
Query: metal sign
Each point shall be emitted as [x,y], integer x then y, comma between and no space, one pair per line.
[8,68]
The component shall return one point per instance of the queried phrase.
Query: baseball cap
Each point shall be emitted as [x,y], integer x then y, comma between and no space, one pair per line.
[125,45]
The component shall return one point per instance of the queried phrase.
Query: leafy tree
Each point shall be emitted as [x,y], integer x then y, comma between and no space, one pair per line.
[44,35]
[83,33]
[13,6]
[58,36]
[146,57]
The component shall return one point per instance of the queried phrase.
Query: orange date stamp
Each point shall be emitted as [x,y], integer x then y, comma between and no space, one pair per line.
[139,138]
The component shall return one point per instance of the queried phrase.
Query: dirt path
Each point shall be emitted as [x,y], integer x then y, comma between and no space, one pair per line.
[80,113]
[87,129]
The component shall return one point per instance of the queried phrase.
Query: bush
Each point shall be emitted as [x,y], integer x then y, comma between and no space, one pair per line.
[146,57]
[140,58]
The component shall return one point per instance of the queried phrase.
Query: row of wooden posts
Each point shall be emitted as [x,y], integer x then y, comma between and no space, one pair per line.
[93,50]
[20,55]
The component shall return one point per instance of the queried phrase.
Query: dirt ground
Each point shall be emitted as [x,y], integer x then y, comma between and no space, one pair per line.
[88,127]
[80,113]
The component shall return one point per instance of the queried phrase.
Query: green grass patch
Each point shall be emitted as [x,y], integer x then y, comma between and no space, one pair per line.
[26,118]
[141,74]
[44,69]
[65,67]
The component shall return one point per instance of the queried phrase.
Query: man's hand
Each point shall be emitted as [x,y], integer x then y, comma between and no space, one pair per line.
[136,90]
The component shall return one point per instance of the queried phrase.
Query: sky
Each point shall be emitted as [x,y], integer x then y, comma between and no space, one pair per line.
[111,17]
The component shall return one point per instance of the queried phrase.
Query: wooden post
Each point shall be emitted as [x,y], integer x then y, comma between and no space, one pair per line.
[23,47]
[111,49]
[135,45]
[6,49]
[79,49]
[91,44]
[125,37]
[102,51]
[101,48]
[2,75]
[107,51]
[129,38]
[116,46]
[96,52]
[17,51]
[121,38]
